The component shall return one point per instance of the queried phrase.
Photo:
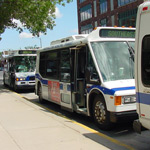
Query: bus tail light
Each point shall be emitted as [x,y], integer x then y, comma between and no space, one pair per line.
[142,115]
[145,8]
[118,100]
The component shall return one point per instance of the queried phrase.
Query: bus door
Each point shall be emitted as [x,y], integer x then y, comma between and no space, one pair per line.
[143,68]
[65,80]
[78,64]
[7,72]
[144,85]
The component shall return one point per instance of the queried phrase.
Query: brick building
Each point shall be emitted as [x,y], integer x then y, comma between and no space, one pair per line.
[93,13]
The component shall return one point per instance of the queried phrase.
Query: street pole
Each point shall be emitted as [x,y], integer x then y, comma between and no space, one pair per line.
[40,42]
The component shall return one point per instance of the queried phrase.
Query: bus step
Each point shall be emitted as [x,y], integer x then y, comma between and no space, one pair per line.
[82,110]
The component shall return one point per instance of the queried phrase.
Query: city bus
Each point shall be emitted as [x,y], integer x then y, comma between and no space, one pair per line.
[19,69]
[90,74]
[142,67]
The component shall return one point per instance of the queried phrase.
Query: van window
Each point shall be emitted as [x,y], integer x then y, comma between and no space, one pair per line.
[145,61]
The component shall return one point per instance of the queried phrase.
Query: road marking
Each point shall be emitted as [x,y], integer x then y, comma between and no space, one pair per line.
[81,125]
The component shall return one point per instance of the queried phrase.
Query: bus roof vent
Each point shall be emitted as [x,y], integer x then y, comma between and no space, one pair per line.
[68,39]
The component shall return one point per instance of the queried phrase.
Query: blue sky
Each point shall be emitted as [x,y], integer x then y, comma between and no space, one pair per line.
[66,25]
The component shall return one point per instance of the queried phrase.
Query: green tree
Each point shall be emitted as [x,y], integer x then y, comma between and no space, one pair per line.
[35,15]
[32,47]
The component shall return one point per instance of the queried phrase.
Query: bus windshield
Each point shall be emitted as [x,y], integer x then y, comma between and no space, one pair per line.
[114,60]
[24,63]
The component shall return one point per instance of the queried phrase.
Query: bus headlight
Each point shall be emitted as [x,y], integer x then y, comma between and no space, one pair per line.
[128,99]
[20,79]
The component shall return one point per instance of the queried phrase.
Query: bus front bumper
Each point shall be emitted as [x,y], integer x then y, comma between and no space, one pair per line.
[25,86]
[123,116]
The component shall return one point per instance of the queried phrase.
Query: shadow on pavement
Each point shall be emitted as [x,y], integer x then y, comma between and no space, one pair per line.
[3,89]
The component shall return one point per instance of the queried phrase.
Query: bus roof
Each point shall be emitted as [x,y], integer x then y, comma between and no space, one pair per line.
[70,38]
[95,35]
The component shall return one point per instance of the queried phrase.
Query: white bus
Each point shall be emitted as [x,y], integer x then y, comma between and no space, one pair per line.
[90,74]
[142,67]
[19,69]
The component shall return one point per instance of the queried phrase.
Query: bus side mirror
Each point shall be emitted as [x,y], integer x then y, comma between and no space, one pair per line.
[92,75]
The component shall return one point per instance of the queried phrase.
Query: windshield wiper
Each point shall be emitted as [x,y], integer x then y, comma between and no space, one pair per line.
[132,52]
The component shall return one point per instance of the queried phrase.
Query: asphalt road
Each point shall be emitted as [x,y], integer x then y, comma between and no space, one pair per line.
[122,132]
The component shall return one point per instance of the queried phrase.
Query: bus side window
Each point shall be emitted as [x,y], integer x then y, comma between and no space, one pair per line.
[81,63]
[52,65]
[42,66]
[65,66]
[91,70]
[145,60]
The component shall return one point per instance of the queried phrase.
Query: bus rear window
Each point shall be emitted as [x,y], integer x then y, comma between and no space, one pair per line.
[145,61]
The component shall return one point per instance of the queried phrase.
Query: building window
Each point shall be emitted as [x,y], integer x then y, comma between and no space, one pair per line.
[127,18]
[86,29]
[112,20]
[81,1]
[95,23]
[103,22]
[112,4]
[86,12]
[124,2]
[95,8]
[103,6]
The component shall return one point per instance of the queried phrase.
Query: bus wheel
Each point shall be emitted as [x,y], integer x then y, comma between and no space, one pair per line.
[100,114]
[4,81]
[41,100]
[13,85]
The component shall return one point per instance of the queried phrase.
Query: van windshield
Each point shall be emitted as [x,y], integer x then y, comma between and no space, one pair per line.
[114,60]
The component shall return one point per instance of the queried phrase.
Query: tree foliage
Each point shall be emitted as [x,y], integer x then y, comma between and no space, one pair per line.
[35,15]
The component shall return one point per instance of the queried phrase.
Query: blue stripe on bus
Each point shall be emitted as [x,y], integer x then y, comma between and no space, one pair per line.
[68,88]
[103,89]
[46,82]
[43,81]
[28,78]
[111,91]
[61,86]
[143,98]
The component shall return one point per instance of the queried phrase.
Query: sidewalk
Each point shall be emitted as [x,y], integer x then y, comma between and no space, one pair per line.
[26,126]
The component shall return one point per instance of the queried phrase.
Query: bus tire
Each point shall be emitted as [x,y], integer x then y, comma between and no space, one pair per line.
[4,81]
[14,87]
[100,114]
[41,100]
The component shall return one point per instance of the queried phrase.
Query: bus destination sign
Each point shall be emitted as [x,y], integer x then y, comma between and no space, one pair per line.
[115,33]
[27,51]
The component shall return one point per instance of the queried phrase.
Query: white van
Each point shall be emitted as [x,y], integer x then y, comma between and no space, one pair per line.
[142,67]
